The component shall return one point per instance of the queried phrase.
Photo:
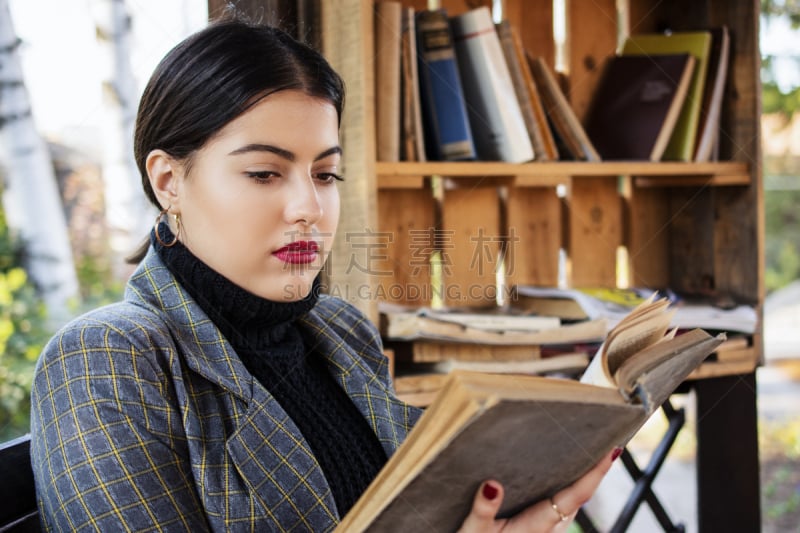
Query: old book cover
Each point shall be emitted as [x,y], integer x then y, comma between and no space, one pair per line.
[682,142]
[544,147]
[636,105]
[713,93]
[494,329]
[388,17]
[560,113]
[535,435]
[436,351]
[498,127]
[444,112]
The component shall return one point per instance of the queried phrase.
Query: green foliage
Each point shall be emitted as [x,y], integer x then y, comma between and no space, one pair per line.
[23,333]
[774,101]
[782,8]
[782,247]
[98,285]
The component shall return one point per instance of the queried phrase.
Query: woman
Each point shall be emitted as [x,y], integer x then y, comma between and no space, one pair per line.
[225,393]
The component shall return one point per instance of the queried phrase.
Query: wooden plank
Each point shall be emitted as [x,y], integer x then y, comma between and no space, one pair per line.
[587,50]
[648,238]
[534,21]
[348,45]
[739,245]
[727,449]
[691,260]
[563,169]
[717,180]
[595,232]
[535,232]
[470,242]
[403,267]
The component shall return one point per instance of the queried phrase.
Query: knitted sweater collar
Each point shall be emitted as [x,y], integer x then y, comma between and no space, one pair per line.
[247,320]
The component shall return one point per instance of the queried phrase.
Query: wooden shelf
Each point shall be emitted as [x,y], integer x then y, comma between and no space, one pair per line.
[671,174]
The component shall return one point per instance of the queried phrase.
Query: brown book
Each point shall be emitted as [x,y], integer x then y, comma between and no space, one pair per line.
[535,435]
[637,104]
[412,136]
[561,114]
[429,351]
[490,328]
[713,93]
[388,29]
[544,146]
[421,389]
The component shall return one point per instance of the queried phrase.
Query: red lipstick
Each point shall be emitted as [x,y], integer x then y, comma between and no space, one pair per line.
[298,252]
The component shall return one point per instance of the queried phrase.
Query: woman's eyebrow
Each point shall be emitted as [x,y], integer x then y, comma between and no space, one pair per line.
[256,147]
[286,154]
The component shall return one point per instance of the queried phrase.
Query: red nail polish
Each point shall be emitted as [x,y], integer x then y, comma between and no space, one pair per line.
[490,492]
[616,453]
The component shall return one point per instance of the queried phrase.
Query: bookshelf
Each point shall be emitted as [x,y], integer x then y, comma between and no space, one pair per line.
[695,227]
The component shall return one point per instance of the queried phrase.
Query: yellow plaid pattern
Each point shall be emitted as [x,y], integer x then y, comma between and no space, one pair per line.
[144,419]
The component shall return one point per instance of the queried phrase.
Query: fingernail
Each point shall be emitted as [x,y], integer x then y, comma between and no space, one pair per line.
[616,453]
[490,491]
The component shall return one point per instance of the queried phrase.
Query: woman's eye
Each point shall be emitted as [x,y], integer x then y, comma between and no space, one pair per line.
[261,176]
[329,177]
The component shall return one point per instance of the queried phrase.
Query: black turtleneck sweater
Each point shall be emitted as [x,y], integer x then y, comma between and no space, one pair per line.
[266,337]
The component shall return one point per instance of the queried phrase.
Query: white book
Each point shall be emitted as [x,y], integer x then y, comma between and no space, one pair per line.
[496,120]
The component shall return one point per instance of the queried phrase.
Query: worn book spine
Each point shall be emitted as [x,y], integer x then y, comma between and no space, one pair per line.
[413,140]
[388,16]
[447,131]
[550,151]
[504,30]
[561,114]
[714,91]
[494,113]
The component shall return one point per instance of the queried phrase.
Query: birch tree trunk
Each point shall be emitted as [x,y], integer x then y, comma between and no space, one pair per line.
[128,213]
[31,197]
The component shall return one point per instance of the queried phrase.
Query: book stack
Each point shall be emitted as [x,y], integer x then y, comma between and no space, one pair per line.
[464,88]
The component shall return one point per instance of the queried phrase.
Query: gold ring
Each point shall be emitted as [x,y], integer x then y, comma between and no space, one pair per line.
[561,516]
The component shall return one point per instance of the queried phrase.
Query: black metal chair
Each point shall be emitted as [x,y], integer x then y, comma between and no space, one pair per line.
[643,480]
[18,511]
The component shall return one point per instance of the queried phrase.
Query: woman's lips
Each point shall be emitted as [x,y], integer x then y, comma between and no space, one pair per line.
[298,252]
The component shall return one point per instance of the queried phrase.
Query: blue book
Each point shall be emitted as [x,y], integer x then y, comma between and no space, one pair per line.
[447,132]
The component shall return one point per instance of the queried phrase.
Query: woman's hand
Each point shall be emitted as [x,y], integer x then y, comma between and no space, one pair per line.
[554,514]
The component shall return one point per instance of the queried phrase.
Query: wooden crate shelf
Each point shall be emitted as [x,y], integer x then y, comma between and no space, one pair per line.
[672,174]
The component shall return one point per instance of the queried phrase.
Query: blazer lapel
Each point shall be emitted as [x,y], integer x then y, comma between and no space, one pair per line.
[388,417]
[266,448]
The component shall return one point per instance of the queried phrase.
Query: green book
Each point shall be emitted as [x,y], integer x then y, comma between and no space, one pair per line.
[682,142]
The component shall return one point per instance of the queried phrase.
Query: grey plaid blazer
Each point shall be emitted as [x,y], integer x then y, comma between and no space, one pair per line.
[143,418]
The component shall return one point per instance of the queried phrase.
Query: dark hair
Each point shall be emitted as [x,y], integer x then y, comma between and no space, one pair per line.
[214,76]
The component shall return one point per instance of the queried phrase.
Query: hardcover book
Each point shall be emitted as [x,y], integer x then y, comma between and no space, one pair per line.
[544,146]
[681,145]
[535,435]
[447,131]
[412,139]
[636,105]
[498,127]
[565,124]
[713,93]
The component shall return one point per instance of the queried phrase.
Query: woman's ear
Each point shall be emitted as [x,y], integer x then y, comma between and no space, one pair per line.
[165,173]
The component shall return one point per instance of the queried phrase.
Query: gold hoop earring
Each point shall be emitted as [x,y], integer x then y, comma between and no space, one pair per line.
[161,214]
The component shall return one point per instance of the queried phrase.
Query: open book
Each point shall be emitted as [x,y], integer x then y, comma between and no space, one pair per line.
[535,435]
